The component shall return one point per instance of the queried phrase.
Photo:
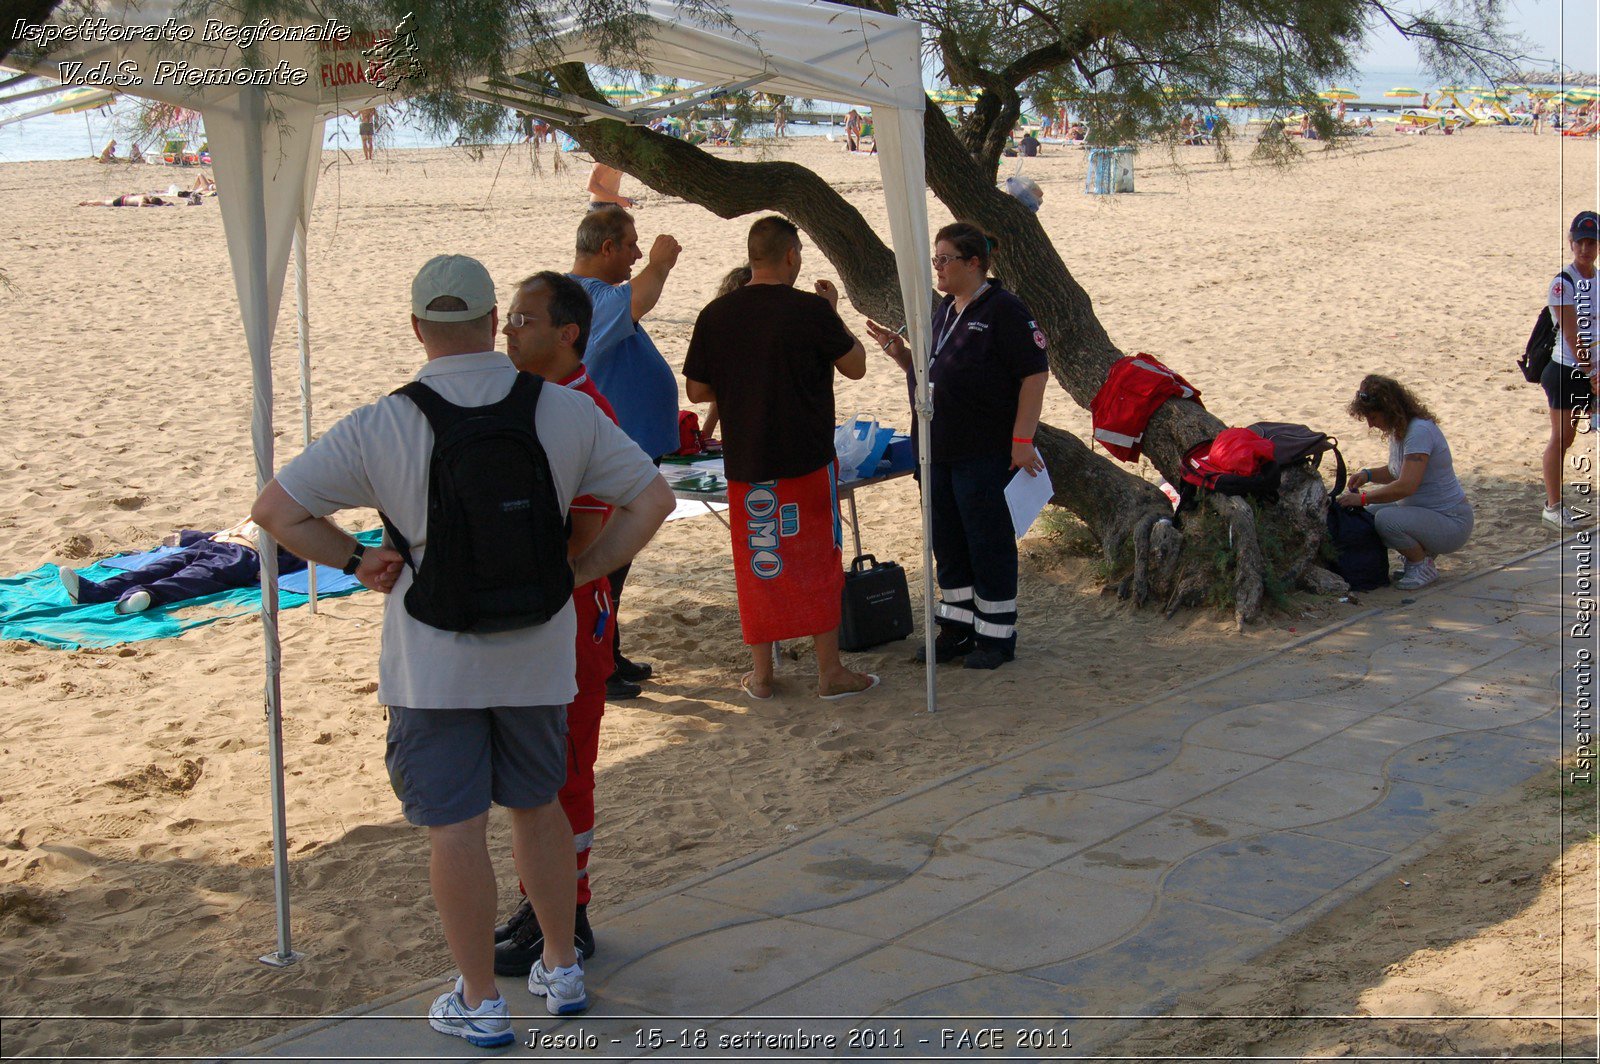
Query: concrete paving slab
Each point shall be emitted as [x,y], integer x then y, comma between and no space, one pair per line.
[1195,771]
[1368,746]
[885,978]
[637,932]
[1552,730]
[1141,973]
[1045,917]
[1382,689]
[1406,813]
[1271,876]
[1140,858]
[1040,830]
[820,872]
[1272,729]
[949,881]
[1288,795]
[725,972]
[1110,752]
[1476,703]
[1485,762]
[1532,666]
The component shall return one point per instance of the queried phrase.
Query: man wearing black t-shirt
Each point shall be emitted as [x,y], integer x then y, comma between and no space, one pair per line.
[766,354]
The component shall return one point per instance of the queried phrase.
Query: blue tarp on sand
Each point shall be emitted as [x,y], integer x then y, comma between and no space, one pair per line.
[35,607]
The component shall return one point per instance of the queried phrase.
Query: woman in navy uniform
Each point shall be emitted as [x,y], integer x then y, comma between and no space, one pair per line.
[986,372]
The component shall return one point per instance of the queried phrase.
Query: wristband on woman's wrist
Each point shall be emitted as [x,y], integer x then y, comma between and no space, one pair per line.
[1363,497]
[1019,439]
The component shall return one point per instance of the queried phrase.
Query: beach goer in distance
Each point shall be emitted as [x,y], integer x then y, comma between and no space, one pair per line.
[474,718]
[1029,145]
[605,188]
[987,372]
[109,155]
[546,330]
[136,154]
[852,130]
[147,199]
[207,563]
[766,354]
[625,364]
[1416,501]
[368,130]
[1570,381]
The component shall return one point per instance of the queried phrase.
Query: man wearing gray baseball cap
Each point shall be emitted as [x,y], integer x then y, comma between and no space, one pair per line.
[477,714]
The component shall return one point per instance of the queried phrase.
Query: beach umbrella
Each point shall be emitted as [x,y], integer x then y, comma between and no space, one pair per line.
[1235,101]
[82,99]
[1402,92]
[1336,93]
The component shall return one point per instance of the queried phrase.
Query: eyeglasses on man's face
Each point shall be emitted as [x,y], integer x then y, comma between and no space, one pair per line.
[517,319]
[940,260]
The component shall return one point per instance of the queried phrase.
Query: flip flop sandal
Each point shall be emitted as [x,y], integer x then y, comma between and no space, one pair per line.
[872,681]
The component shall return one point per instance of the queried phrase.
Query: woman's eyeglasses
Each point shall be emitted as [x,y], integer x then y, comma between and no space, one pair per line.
[1363,397]
[940,260]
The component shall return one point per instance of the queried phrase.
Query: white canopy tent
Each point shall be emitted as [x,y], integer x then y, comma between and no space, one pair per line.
[266,141]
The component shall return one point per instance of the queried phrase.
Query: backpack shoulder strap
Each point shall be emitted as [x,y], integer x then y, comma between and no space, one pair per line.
[1339,476]
[440,412]
[524,395]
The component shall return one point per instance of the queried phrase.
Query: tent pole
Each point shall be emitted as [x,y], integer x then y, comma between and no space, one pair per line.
[252,167]
[303,324]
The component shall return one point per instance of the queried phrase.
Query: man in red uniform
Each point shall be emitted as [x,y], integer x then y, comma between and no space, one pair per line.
[546,331]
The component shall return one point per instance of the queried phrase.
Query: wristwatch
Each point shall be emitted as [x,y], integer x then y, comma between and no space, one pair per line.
[355,560]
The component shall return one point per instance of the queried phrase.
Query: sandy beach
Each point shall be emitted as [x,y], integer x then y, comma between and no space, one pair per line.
[134,823]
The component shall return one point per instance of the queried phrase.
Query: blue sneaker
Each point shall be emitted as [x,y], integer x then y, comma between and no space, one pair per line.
[486,1026]
[561,989]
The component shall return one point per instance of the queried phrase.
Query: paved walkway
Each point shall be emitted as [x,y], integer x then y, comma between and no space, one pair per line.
[1096,875]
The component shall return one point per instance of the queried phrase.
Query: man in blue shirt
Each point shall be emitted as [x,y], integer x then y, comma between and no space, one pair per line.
[624,362]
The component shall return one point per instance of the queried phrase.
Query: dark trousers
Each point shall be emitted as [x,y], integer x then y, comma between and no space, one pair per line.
[203,568]
[975,549]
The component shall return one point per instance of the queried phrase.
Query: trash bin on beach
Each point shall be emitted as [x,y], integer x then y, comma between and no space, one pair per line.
[1110,170]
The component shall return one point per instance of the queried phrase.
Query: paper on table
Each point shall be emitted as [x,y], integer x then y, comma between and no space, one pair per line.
[1026,496]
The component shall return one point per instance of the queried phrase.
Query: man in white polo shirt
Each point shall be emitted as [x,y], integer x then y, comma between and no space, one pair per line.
[474,718]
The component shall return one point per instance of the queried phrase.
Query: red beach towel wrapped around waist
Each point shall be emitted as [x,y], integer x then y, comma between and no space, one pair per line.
[786,555]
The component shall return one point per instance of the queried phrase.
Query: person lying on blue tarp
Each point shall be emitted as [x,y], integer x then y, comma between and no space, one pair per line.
[207,562]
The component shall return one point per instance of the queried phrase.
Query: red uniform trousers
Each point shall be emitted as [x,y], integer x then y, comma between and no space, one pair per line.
[596,619]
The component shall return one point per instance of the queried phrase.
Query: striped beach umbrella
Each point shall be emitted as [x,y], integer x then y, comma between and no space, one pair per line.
[1403,92]
[1337,93]
[1235,101]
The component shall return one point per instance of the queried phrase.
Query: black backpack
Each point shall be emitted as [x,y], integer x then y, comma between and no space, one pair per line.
[497,541]
[1359,552]
[1541,342]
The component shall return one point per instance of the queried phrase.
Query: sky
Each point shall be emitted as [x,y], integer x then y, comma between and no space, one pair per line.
[1563,30]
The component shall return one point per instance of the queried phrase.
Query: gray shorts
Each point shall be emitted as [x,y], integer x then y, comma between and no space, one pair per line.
[448,765]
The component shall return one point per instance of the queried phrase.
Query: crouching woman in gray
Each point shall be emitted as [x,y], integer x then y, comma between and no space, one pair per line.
[1417,502]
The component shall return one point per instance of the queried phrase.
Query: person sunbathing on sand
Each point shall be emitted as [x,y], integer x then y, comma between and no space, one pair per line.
[147,199]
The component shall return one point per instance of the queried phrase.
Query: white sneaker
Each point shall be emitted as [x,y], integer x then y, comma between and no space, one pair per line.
[69,580]
[137,602]
[561,989]
[1421,574]
[486,1026]
[1560,517]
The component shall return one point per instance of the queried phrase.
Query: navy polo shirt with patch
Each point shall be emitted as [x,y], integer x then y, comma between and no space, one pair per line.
[977,370]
